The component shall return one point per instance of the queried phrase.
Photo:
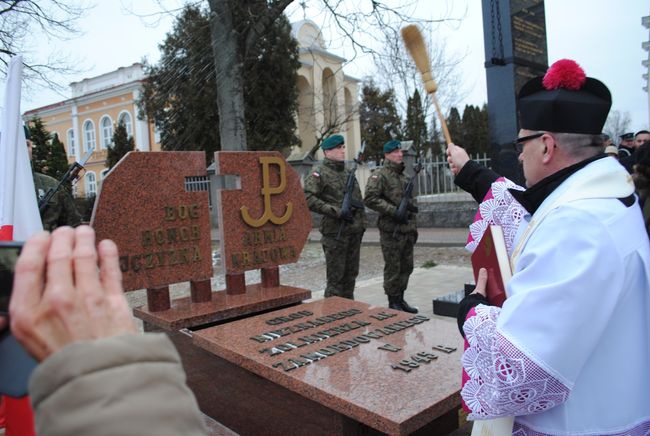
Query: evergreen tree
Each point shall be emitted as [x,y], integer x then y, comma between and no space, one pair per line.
[475,129]
[271,98]
[378,119]
[180,94]
[122,144]
[455,126]
[57,163]
[437,146]
[40,144]
[416,127]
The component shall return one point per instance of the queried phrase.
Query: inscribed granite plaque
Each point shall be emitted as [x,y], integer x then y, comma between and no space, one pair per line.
[390,370]
[528,40]
[266,221]
[150,206]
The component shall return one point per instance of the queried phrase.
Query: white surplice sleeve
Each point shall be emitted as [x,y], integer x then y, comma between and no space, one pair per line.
[524,358]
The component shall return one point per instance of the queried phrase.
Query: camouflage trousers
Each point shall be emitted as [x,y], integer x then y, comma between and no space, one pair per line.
[398,260]
[342,260]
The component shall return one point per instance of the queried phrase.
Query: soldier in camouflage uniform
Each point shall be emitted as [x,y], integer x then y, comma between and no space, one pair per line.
[60,210]
[324,189]
[398,235]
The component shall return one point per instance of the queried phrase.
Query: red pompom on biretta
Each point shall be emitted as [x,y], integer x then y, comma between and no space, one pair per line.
[566,74]
[565,100]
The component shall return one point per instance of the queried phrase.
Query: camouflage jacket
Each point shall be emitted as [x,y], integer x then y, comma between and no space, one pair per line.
[324,189]
[60,210]
[384,192]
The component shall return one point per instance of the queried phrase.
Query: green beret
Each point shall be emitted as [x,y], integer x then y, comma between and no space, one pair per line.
[391,145]
[332,142]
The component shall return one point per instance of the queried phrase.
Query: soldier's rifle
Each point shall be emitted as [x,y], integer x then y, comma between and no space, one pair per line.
[405,205]
[69,176]
[349,203]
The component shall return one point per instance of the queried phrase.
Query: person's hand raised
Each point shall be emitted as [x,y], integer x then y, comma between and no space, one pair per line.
[457,157]
[60,296]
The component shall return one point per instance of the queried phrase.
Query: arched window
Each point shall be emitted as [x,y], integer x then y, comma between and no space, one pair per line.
[125,118]
[106,131]
[91,184]
[72,146]
[89,135]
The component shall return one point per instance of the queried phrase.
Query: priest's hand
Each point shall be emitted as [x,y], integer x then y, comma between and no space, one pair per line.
[457,157]
[481,282]
[60,296]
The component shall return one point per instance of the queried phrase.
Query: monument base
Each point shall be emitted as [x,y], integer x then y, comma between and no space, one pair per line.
[252,405]
[183,313]
[329,367]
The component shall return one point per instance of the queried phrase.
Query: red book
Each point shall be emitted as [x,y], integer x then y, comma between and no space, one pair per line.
[492,255]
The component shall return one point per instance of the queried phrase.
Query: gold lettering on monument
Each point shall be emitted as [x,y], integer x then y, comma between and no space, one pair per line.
[159,244]
[267,191]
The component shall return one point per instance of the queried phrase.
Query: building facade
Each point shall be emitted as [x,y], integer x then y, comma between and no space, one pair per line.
[86,122]
[328,101]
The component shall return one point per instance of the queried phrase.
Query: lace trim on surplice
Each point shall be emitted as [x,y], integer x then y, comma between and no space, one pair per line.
[498,207]
[503,381]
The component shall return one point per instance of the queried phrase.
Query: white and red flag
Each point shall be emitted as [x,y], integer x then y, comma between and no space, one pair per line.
[19,217]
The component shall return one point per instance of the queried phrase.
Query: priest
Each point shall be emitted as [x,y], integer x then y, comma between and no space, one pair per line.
[569,351]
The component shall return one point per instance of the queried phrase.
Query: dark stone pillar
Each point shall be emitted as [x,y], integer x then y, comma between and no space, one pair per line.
[514,33]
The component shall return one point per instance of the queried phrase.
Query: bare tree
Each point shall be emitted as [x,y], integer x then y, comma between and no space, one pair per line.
[360,23]
[617,123]
[26,23]
[398,72]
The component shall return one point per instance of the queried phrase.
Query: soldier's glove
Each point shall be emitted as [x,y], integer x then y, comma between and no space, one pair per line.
[334,212]
[346,215]
[413,209]
[400,218]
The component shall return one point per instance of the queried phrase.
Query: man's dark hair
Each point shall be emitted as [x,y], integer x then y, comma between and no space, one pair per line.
[641,132]
[641,173]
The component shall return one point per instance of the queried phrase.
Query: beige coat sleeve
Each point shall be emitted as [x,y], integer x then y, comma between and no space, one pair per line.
[126,385]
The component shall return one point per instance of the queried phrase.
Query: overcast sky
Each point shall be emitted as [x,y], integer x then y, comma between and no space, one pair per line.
[605,37]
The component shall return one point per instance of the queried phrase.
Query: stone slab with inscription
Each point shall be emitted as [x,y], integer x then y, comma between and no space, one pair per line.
[345,363]
[162,231]
[266,222]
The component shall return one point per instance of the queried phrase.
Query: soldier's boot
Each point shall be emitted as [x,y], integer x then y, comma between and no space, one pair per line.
[395,302]
[405,306]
